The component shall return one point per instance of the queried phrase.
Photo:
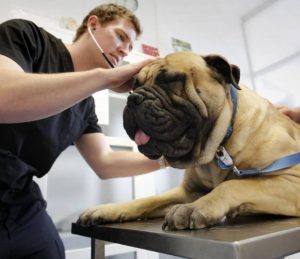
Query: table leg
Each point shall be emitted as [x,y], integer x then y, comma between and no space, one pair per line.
[97,249]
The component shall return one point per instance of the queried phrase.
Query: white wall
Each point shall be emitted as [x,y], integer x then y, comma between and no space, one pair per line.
[273,39]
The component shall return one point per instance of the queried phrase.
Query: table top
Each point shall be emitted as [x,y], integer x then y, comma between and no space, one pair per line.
[243,237]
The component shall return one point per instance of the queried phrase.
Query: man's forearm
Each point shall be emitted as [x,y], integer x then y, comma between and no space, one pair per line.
[26,97]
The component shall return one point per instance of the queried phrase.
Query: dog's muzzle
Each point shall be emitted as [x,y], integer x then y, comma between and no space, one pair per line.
[161,124]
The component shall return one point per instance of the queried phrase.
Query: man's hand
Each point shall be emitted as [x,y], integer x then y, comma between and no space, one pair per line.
[293,113]
[122,77]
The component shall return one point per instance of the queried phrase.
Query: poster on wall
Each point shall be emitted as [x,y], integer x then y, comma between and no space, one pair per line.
[149,50]
[180,45]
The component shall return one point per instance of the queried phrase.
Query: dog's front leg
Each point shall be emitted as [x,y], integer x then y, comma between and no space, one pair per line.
[150,207]
[270,194]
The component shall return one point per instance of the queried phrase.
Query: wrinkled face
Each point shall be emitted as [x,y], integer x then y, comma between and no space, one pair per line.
[173,107]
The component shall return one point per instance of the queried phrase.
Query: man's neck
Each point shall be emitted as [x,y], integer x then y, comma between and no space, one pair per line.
[80,57]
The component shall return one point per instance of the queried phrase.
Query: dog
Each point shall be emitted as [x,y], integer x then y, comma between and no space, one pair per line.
[191,110]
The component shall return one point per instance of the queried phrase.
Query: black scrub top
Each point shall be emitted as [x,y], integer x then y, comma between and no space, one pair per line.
[30,149]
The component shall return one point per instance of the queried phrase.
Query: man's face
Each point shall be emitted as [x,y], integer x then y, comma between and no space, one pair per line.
[116,39]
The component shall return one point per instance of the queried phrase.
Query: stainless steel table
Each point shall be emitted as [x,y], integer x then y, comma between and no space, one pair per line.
[259,237]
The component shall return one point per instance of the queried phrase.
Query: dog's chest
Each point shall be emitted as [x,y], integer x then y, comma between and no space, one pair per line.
[211,175]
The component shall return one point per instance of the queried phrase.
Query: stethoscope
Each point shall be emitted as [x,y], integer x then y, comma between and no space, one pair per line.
[99,47]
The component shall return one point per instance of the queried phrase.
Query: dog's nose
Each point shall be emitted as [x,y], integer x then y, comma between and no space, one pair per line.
[135,99]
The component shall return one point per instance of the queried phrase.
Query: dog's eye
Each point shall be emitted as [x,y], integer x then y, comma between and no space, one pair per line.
[136,83]
[171,81]
[165,77]
[198,91]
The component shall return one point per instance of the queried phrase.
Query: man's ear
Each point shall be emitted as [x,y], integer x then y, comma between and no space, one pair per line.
[92,22]
[230,73]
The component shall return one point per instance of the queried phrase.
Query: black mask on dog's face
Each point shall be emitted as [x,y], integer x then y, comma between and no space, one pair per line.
[161,122]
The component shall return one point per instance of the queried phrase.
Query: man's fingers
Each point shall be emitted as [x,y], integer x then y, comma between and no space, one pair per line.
[137,66]
[126,87]
[124,75]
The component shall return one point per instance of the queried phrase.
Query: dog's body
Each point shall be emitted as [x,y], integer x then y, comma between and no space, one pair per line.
[181,108]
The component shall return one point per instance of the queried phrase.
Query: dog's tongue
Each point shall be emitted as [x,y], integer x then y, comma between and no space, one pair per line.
[141,137]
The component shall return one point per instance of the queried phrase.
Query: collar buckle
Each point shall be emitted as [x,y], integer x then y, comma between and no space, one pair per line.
[225,161]
[223,158]
[236,171]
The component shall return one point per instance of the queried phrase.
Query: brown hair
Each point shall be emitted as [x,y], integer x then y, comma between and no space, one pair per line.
[107,13]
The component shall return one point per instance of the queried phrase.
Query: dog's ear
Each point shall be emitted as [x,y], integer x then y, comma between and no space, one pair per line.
[231,73]
[235,71]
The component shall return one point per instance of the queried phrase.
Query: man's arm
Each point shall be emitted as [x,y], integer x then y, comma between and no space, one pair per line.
[109,164]
[26,97]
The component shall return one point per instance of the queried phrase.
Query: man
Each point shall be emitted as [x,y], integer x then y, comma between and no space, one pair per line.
[45,106]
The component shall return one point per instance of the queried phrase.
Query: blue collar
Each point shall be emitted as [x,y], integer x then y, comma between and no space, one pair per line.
[234,100]
[225,161]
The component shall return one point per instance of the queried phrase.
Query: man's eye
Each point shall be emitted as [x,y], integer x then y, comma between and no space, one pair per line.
[121,37]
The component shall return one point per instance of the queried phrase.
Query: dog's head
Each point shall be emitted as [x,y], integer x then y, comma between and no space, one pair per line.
[175,104]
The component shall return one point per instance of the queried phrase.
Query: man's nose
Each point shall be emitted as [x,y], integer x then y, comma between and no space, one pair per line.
[124,50]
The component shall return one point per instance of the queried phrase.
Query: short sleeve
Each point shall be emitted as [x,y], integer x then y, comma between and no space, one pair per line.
[19,42]
[92,119]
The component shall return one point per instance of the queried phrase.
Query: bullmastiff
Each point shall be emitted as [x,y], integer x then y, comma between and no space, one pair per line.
[192,111]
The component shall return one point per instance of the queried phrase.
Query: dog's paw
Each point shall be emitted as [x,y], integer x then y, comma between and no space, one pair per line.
[106,213]
[185,216]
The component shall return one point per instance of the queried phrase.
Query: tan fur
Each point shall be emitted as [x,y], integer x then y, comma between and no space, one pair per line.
[207,194]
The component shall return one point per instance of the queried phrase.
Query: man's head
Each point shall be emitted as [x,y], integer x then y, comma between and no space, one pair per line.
[110,29]
[107,13]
